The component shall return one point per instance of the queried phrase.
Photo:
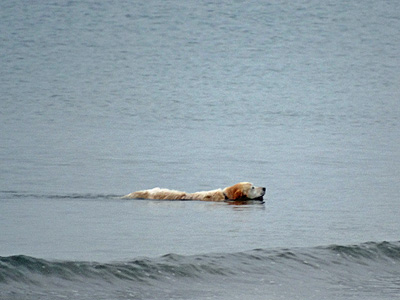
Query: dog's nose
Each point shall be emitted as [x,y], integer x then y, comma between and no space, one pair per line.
[264,189]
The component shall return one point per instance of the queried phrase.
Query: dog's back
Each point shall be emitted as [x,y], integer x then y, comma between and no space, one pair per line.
[214,195]
[157,193]
[167,194]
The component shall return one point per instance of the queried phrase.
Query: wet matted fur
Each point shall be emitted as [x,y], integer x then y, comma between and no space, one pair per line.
[239,191]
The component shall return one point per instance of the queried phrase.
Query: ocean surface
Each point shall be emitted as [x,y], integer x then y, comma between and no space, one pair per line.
[102,98]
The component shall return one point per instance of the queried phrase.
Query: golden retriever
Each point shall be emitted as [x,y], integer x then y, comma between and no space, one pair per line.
[239,191]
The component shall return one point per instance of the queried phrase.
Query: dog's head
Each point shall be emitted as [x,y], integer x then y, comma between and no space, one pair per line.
[244,191]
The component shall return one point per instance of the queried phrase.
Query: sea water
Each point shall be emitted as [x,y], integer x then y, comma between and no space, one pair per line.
[99,99]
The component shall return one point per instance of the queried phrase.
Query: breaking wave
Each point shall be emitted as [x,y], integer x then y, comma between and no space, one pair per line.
[363,269]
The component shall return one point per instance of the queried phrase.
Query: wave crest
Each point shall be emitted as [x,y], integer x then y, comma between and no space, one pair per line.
[30,270]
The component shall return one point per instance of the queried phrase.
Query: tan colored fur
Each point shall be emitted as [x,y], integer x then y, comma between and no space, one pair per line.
[242,190]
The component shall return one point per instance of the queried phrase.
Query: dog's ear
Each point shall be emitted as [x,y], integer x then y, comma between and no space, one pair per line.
[238,194]
[234,192]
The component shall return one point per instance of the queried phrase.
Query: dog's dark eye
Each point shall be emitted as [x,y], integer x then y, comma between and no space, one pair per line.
[252,187]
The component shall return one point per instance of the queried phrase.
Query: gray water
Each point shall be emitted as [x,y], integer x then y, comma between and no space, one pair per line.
[99,99]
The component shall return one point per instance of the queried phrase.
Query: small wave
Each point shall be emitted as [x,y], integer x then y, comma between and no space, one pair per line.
[369,251]
[330,259]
